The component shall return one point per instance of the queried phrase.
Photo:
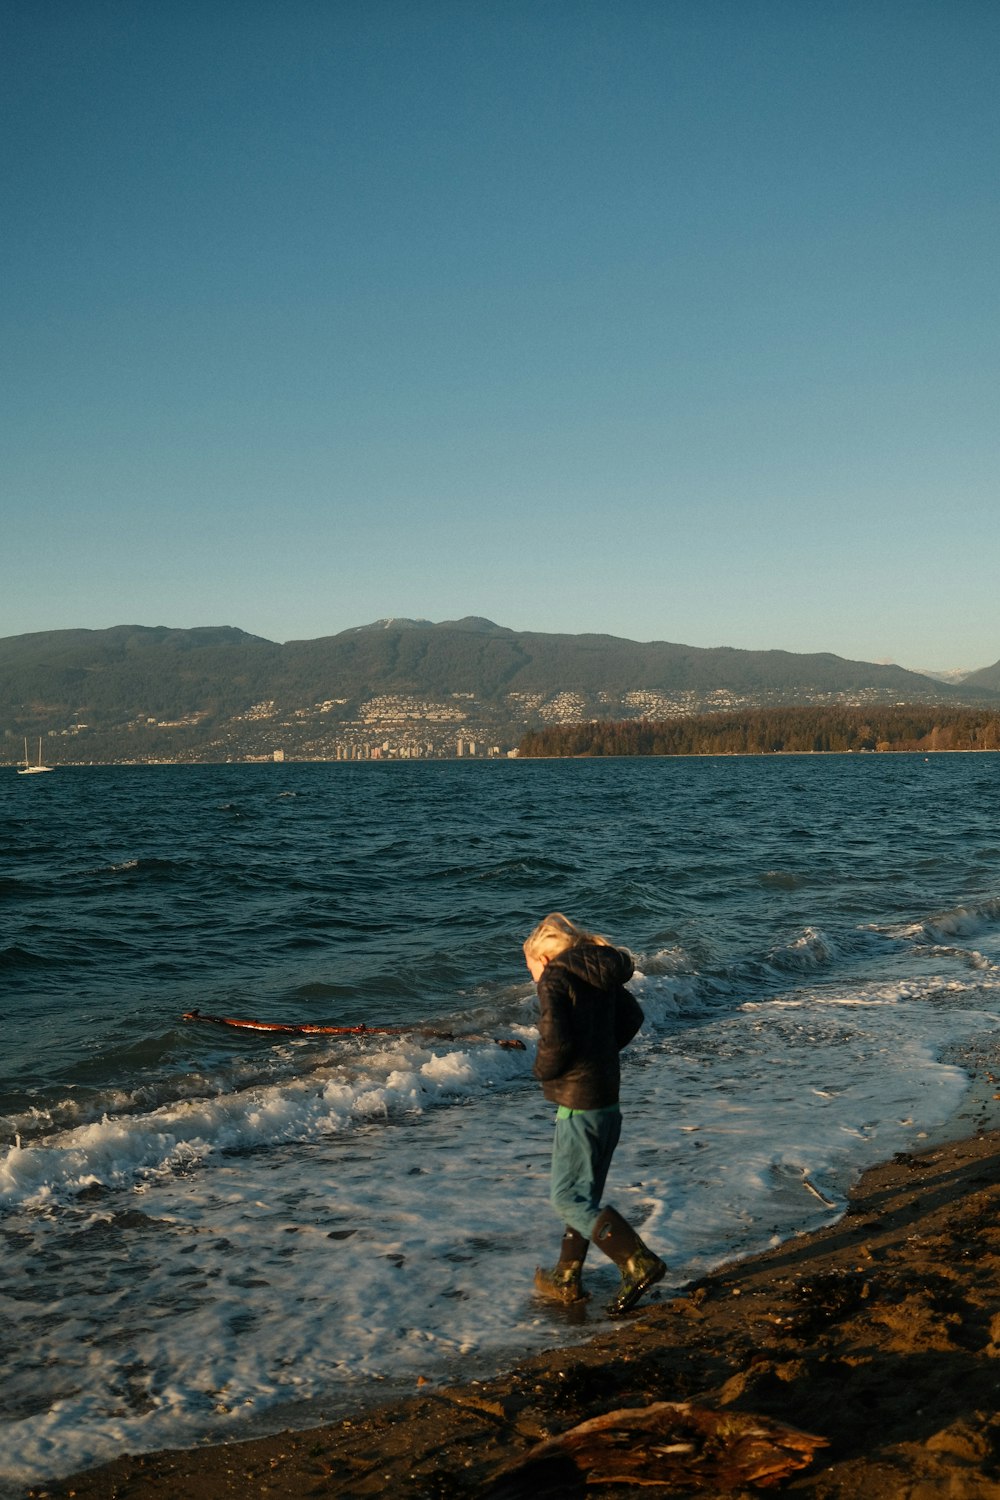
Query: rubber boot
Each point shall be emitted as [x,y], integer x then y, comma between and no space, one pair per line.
[563,1283]
[640,1268]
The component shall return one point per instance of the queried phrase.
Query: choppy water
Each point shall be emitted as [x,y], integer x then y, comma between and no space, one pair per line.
[204,1231]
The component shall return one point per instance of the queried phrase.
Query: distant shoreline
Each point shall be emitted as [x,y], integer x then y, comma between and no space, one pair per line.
[456,760]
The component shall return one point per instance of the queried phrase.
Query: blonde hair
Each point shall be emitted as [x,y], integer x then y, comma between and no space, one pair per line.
[554,934]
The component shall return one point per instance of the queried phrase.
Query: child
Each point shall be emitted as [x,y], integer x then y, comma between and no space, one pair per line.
[586,1017]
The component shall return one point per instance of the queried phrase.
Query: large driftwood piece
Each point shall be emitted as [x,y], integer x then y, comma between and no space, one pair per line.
[671,1444]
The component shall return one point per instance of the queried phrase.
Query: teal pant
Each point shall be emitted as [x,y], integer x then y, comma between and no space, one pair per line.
[584,1144]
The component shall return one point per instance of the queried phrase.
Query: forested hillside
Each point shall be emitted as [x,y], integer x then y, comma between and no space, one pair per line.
[769,731]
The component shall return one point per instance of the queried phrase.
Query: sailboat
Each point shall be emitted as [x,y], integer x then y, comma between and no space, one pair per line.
[28,769]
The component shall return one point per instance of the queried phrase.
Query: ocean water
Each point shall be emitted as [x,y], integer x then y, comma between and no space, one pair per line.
[206,1233]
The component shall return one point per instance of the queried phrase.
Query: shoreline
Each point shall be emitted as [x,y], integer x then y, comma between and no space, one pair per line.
[878,1334]
[505,759]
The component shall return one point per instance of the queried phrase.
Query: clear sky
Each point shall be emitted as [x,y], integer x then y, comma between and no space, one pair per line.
[670,319]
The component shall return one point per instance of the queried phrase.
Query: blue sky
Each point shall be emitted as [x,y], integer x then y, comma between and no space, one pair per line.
[673,321]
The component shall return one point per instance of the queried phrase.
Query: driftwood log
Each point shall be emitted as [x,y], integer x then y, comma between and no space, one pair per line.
[310,1028]
[672,1444]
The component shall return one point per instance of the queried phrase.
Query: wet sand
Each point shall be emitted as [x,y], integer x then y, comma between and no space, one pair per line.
[879,1334]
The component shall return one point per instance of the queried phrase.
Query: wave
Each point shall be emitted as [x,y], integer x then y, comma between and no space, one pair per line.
[17,957]
[367,1083]
[322,990]
[673,970]
[970,957]
[150,868]
[935,936]
[965,921]
[674,988]
[515,872]
[781,880]
[810,951]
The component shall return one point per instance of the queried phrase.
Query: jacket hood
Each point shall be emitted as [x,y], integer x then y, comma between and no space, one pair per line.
[598,965]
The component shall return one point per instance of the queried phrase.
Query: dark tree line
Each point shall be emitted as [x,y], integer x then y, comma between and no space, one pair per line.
[766,731]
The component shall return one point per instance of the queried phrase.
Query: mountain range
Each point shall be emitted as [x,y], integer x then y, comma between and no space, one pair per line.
[136,692]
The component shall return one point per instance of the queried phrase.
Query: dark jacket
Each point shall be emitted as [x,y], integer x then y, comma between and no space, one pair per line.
[586,1017]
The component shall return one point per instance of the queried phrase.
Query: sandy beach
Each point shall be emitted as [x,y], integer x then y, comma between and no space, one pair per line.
[877,1336]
